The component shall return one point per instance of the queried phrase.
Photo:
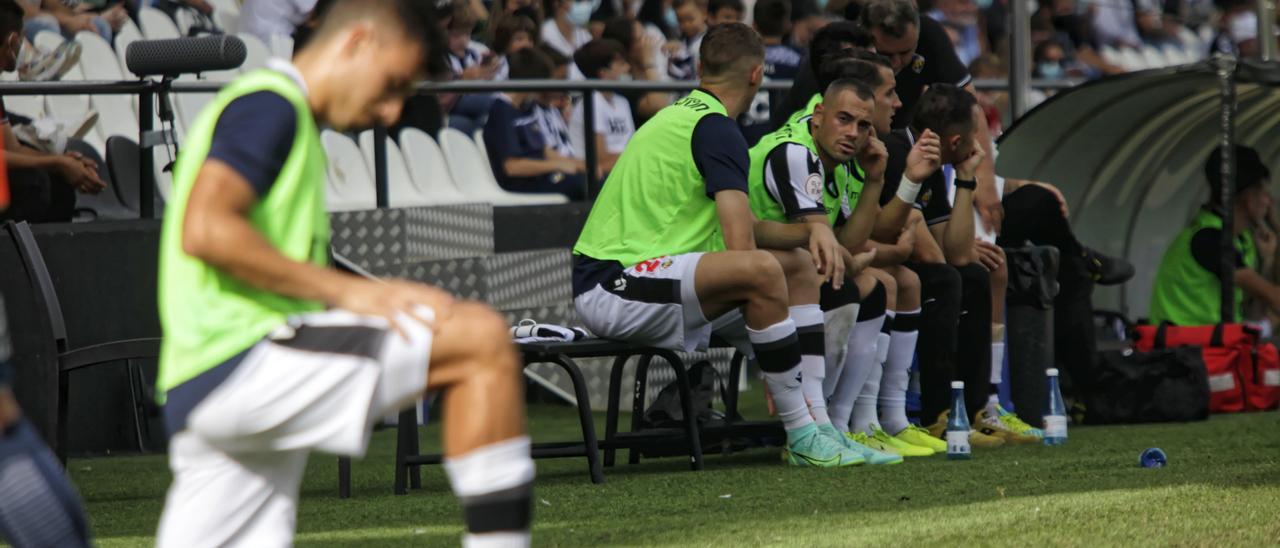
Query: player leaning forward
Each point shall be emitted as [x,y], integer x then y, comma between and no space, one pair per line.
[669,254]
[268,354]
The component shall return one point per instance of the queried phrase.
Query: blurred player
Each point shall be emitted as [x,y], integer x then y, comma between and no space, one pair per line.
[268,353]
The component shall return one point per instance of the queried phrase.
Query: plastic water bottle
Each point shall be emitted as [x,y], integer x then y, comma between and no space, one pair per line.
[1055,413]
[958,424]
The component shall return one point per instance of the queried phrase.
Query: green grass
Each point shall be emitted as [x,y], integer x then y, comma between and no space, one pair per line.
[1222,487]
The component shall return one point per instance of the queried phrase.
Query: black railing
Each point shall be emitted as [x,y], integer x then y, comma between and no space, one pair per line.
[146,90]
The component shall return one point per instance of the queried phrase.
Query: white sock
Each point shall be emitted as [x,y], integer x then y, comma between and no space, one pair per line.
[864,410]
[897,372]
[997,367]
[859,358]
[837,326]
[808,319]
[490,478]
[777,350]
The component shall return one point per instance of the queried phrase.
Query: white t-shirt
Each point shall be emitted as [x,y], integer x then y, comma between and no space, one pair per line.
[264,18]
[566,45]
[613,121]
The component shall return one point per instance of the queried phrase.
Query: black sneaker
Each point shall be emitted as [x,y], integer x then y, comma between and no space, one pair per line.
[1107,270]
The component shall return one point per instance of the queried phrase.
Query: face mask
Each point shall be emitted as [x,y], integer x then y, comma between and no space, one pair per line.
[580,14]
[984,4]
[669,15]
[822,5]
[624,77]
[1050,70]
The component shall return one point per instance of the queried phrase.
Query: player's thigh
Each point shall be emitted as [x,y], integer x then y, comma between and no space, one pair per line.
[725,280]
[474,339]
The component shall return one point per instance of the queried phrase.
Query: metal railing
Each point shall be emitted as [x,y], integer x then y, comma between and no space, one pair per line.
[147,91]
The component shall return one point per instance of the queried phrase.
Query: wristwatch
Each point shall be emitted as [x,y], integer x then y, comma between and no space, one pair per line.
[966,184]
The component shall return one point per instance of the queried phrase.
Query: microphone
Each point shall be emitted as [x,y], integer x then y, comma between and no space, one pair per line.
[171,57]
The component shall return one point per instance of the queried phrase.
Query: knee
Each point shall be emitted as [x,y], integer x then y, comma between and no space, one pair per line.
[908,281]
[765,273]
[946,283]
[482,323]
[797,266]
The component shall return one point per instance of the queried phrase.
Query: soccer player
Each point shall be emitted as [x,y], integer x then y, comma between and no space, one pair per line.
[255,373]
[804,174]
[669,251]
[945,252]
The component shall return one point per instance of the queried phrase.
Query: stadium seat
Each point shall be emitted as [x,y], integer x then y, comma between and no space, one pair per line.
[281,46]
[479,139]
[156,24]
[1154,58]
[350,184]
[31,106]
[402,190]
[128,34]
[184,19]
[65,107]
[1111,56]
[1177,55]
[1132,60]
[475,178]
[427,168]
[256,53]
[116,115]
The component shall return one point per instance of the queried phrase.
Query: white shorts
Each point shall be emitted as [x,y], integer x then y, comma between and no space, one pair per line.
[318,383]
[653,303]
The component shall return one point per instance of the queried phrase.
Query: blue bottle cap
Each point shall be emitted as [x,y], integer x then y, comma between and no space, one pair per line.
[1153,458]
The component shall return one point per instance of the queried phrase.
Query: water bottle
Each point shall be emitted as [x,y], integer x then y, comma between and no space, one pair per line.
[958,424]
[1055,413]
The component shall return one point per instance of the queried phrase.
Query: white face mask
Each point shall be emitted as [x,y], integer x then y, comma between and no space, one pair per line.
[580,13]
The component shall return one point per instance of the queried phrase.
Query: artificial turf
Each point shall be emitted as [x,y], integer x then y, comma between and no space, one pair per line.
[1222,487]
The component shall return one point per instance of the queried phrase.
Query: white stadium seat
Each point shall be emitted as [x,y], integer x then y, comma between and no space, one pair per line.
[475,178]
[256,53]
[401,190]
[1153,57]
[128,34]
[281,46]
[479,139]
[66,107]
[428,168]
[350,184]
[116,115]
[157,25]
[31,106]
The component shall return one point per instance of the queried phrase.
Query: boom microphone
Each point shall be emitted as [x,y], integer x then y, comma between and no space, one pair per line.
[175,56]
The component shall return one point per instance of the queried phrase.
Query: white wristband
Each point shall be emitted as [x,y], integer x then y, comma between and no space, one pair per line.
[908,190]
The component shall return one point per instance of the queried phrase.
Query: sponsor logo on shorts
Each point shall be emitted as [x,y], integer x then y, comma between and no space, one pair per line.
[654,265]
[620,284]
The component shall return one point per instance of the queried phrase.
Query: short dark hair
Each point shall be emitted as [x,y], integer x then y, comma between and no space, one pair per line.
[462,17]
[621,29]
[528,64]
[891,16]
[417,21]
[771,16]
[677,4]
[859,88]
[11,15]
[828,40]
[714,6]
[945,109]
[506,28]
[597,55]
[553,55]
[729,47]
[1250,171]
[849,68]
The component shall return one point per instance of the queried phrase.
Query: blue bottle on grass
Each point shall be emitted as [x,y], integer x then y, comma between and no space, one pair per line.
[1055,413]
[958,425]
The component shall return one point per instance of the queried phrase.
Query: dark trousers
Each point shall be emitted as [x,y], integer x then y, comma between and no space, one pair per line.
[955,335]
[1032,214]
[36,197]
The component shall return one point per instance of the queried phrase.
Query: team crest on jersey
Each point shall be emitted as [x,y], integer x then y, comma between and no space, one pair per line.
[813,186]
[925,195]
[917,63]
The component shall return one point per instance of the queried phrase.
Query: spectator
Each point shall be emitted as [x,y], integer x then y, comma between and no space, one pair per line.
[772,19]
[960,18]
[469,60]
[1049,60]
[1238,30]
[553,107]
[526,8]
[995,102]
[565,27]
[658,18]
[511,34]
[1115,23]
[644,54]
[1187,290]
[42,186]
[1060,20]
[68,18]
[806,20]
[516,147]
[267,18]
[724,11]
[919,49]
[603,59]
[692,18]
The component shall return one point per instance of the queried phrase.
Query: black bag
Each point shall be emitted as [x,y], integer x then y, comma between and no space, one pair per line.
[1168,385]
[665,412]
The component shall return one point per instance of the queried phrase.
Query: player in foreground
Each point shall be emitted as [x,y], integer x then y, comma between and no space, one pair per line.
[268,353]
[669,252]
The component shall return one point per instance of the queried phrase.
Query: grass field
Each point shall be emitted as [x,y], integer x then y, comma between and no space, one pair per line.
[1222,487]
